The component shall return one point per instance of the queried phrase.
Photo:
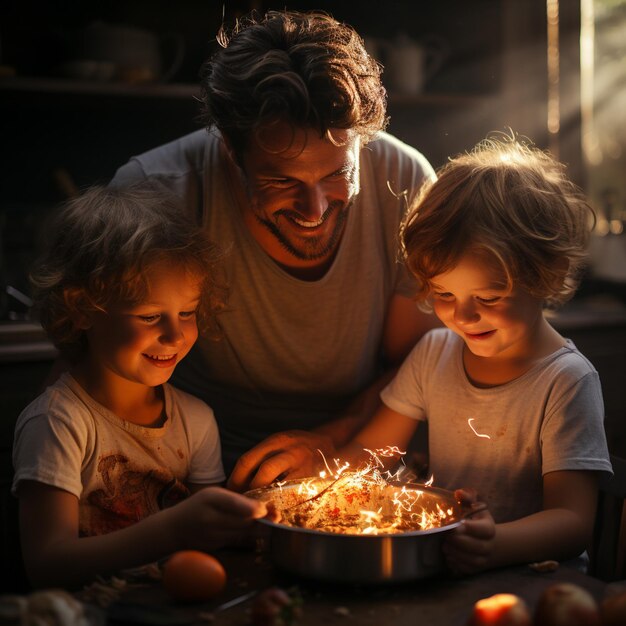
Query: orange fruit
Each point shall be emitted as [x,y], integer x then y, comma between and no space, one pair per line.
[193,576]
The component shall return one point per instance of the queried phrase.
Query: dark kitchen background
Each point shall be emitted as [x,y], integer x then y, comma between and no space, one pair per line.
[85,85]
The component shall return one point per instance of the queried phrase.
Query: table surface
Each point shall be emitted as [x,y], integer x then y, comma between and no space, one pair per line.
[436,601]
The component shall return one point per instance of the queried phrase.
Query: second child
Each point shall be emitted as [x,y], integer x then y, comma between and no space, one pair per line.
[514,410]
[114,468]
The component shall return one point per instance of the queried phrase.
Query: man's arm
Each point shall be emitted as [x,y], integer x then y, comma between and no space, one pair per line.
[404,326]
[295,453]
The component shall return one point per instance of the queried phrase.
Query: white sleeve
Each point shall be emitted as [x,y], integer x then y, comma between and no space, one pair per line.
[572,433]
[49,449]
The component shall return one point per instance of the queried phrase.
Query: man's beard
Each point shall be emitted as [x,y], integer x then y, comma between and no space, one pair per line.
[310,248]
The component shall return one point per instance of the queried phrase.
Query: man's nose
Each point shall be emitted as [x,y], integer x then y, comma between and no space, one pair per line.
[314,203]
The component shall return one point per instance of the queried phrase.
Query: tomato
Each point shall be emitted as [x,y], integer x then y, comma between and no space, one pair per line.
[193,576]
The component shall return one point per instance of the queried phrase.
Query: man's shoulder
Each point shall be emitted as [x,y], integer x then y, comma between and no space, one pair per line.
[179,154]
[389,148]
[176,159]
[394,165]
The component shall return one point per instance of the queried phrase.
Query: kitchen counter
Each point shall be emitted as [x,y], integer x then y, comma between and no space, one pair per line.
[602,311]
[443,601]
[24,341]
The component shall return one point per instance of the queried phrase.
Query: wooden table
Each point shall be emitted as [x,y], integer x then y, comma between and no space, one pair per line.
[443,601]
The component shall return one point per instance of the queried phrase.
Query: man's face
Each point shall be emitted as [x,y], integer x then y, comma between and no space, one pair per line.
[300,187]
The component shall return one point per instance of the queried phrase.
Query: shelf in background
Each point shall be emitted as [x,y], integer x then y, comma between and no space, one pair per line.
[23,85]
[441,99]
[62,86]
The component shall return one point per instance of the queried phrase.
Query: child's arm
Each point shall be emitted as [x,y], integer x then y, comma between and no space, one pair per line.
[386,428]
[54,554]
[561,530]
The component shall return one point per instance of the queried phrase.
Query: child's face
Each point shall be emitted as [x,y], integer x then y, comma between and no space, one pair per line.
[473,300]
[143,342]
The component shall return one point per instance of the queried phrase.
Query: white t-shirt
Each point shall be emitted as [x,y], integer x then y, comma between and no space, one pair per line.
[293,352]
[119,471]
[502,440]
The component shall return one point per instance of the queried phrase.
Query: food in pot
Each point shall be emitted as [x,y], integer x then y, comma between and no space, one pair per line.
[354,503]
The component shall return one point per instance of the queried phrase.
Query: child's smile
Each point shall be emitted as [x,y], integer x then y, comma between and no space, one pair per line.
[142,343]
[163,360]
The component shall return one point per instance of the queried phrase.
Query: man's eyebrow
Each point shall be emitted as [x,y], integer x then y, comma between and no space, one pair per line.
[346,167]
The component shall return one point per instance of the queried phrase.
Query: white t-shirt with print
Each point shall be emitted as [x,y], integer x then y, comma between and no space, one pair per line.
[119,471]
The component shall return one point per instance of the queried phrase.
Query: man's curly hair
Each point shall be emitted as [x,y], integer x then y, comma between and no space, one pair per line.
[306,69]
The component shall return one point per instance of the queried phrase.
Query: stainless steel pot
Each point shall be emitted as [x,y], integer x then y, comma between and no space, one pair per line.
[364,559]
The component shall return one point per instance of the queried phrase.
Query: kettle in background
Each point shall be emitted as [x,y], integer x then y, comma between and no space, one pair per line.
[137,55]
[409,65]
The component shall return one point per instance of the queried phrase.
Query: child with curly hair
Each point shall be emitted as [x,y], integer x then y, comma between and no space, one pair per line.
[114,467]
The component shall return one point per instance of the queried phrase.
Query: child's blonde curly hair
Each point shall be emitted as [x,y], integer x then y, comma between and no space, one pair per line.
[98,249]
[511,201]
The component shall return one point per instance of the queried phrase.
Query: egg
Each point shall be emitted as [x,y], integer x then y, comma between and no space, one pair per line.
[193,576]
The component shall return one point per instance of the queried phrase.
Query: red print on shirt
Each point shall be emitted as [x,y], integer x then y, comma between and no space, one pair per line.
[129,494]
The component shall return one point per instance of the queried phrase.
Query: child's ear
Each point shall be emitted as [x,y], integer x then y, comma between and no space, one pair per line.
[75,302]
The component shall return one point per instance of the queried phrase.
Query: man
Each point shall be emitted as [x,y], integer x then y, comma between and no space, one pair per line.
[305,193]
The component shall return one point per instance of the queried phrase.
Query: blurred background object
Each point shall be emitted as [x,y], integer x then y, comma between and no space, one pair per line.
[603,127]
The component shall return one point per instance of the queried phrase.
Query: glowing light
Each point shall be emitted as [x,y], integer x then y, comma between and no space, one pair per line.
[360,501]
[554,103]
[469,423]
[591,144]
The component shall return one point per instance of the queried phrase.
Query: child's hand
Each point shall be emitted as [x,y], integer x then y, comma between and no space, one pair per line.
[214,517]
[469,547]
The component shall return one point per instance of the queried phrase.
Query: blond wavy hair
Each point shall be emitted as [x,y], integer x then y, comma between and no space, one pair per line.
[510,201]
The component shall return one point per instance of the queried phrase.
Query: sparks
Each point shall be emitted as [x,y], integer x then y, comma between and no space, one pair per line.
[361,500]
[469,423]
